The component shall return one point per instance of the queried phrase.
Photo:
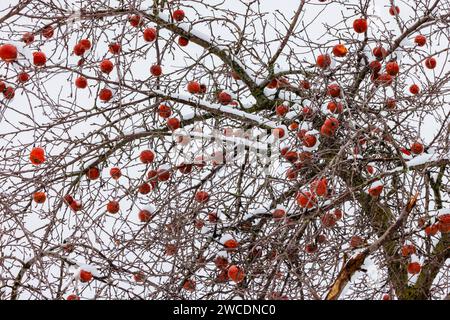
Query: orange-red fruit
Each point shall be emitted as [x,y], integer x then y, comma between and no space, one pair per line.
[156,70]
[113,206]
[408,249]
[430,63]
[72,297]
[115,173]
[37,156]
[360,25]
[320,187]
[150,34]
[291,156]
[311,248]
[326,131]
[334,90]
[328,220]
[414,89]
[178,15]
[278,214]
[384,79]
[386,297]
[115,48]
[23,77]
[147,156]
[417,148]
[138,277]
[173,123]
[335,107]
[273,84]
[281,110]
[183,42]
[163,174]
[323,61]
[86,43]
[293,126]
[338,214]
[47,32]
[391,103]
[85,276]
[164,111]
[39,197]
[420,40]
[309,140]
[28,37]
[394,10]
[231,244]
[8,52]
[93,173]
[185,168]
[144,188]
[306,199]
[375,66]
[202,196]
[414,268]
[332,123]
[392,68]
[79,49]
[376,191]
[9,93]
[189,285]
[76,206]
[221,262]
[305,84]
[144,215]
[106,66]
[81,82]
[39,59]
[379,52]
[236,274]
[68,199]
[444,223]
[193,87]
[224,98]
[135,20]
[432,230]
[340,50]
[105,94]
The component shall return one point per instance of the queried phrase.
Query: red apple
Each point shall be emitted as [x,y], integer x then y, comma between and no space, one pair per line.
[392,68]
[147,156]
[340,50]
[360,25]
[430,63]
[414,89]
[420,40]
[85,276]
[39,58]
[113,206]
[105,94]
[115,173]
[81,82]
[323,61]
[150,34]
[156,70]
[178,15]
[202,196]
[106,66]
[8,52]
